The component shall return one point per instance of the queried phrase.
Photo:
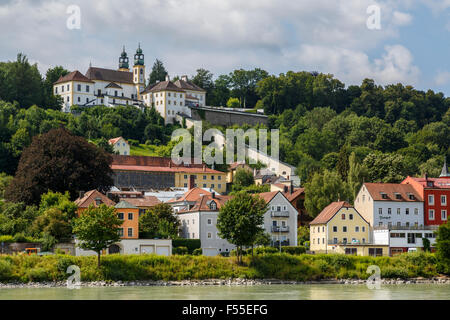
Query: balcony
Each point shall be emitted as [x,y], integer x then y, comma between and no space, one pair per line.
[280,229]
[353,243]
[395,227]
[279,214]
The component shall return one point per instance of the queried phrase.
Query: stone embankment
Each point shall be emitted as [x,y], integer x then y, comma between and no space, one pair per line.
[221,282]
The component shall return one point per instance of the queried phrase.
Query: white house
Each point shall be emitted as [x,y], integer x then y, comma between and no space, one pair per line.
[198,212]
[132,246]
[101,86]
[120,145]
[171,99]
[390,205]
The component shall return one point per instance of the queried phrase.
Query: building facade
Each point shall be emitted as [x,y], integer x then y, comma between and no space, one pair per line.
[101,86]
[390,205]
[120,146]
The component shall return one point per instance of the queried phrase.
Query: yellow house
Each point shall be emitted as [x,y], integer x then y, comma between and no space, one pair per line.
[339,228]
[203,178]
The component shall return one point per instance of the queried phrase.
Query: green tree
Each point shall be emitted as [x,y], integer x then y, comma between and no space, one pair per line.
[357,173]
[240,220]
[159,222]
[158,73]
[302,235]
[5,180]
[323,189]
[16,218]
[50,100]
[233,103]
[97,229]
[385,167]
[242,178]
[342,165]
[443,245]
[59,161]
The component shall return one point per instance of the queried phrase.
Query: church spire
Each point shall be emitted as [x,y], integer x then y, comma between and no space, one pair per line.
[139,56]
[444,172]
[123,61]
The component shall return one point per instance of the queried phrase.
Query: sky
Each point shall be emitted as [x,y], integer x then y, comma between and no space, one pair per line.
[341,37]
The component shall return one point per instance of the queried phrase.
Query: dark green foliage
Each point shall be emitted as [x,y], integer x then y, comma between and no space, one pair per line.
[180,250]
[59,161]
[190,244]
[159,222]
[158,72]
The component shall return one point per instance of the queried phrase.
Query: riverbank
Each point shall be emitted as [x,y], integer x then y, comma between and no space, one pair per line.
[443,280]
[198,270]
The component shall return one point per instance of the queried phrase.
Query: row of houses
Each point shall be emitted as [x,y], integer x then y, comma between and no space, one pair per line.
[386,218]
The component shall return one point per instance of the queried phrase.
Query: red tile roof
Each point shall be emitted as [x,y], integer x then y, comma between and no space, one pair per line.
[268,196]
[292,196]
[109,75]
[90,197]
[330,211]
[187,85]
[438,183]
[192,195]
[73,76]
[114,140]
[391,189]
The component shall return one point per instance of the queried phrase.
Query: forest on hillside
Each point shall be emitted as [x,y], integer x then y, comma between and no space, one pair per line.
[389,131]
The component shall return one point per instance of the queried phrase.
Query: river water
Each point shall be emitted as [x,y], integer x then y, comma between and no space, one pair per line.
[262,292]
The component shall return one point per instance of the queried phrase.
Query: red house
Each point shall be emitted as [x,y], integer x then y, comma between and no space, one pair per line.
[436,195]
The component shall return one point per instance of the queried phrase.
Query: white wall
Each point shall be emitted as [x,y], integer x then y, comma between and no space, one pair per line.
[280,201]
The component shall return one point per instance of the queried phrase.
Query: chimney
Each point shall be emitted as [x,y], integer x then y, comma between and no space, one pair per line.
[191,182]
[167,78]
[184,78]
[109,195]
[213,195]
[292,187]
[81,194]
[285,189]
[204,168]
[426,176]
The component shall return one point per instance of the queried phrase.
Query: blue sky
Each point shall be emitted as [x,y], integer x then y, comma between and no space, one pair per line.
[411,47]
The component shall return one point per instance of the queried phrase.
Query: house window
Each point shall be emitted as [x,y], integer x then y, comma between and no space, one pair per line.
[204,177]
[334,229]
[416,211]
[219,186]
[193,235]
[68,99]
[121,232]
[335,240]
[343,216]
[130,232]
[444,215]
[56,89]
[87,100]
[431,199]
[443,200]
[120,215]
[204,185]
[209,221]
[209,235]
[356,229]
[212,177]
[87,88]
[398,210]
[212,185]
[350,216]
[407,210]
[219,178]
[68,87]
[389,211]
[79,99]
[399,224]
[185,185]
[363,229]
[380,210]
[344,229]
[431,214]
[344,240]
[79,87]
[130,216]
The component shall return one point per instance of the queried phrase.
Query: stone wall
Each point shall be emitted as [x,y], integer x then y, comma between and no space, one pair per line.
[227,117]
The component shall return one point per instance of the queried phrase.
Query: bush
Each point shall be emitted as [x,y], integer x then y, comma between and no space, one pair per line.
[6,239]
[5,269]
[392,272]
[133,142]
[293,250]
[190,244]
[197,252]
[21,237]
[180,250]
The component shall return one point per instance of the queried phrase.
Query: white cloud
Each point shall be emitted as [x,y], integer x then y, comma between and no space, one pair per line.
[277,35]
[442,78]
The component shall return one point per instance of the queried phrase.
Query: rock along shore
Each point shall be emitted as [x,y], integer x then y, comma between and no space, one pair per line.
[221,282]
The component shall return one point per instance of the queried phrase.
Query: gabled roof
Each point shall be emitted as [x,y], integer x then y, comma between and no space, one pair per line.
[435,183]
[391,190]
[190,196]
[109,75]
[125,205]
[73,76]
[146,201]
[330,211]
[268,196]
[164,86]
[148,88]
[90,197]
[115,140]
[187,85]
[294,195]
[113,85]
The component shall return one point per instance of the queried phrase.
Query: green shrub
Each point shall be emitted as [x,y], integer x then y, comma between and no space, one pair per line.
[180,250]
[197,252]
[293,250]
[392,272]
[190,244]
[133,142]
[5,269]
[6,239]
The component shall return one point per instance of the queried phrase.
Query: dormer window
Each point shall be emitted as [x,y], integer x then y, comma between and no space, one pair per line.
[429,183]
[98,201]
[398,196]
[384,195]
[411,196]
[213,205]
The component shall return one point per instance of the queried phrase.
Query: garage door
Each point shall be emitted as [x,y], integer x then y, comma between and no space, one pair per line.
[162,251]
[147,249]
[210,252]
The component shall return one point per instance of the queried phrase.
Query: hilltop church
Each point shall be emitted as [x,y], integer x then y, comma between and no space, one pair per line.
[112,88]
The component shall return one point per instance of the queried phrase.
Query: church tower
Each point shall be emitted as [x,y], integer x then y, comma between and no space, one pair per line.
[124,61]
[139,72]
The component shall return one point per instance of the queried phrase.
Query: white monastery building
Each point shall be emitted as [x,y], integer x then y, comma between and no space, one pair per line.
[108,87]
